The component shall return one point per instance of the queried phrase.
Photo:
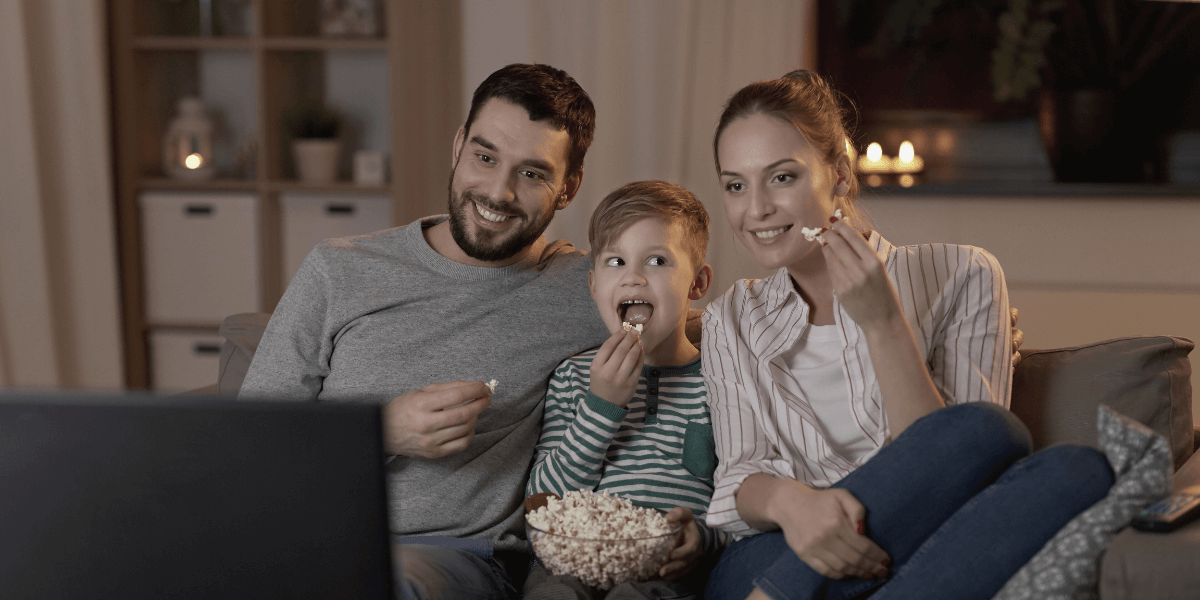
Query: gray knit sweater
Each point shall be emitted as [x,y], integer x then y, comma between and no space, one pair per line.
[368,318]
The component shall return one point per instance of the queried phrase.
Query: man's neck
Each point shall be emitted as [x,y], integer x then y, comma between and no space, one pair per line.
[442,242]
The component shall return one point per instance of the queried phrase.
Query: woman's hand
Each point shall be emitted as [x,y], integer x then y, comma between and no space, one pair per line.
[687,549]
[616,367]
[858,277]
[824,528]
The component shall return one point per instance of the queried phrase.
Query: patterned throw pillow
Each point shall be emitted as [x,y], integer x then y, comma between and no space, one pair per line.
[1068,566]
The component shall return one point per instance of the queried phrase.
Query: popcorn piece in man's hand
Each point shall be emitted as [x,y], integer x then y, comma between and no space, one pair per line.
[628,327]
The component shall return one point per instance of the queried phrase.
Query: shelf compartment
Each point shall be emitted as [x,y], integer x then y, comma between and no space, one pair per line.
[202,19]
[303,18]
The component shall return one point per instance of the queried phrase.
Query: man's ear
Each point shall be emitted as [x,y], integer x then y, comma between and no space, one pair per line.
[569,190]
[460,140]
[701,282]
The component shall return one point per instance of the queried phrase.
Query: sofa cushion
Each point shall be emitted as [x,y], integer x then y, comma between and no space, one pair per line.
[1068,565]
[242,333]
[1147,378]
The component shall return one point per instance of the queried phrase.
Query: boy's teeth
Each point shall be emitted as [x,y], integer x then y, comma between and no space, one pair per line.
[489,215]
[762,235]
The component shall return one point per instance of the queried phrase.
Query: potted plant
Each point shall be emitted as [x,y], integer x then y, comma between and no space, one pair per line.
[315,144]
[1106,75]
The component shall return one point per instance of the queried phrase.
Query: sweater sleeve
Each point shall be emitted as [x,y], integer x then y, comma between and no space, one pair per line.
[292,359]
[577,430]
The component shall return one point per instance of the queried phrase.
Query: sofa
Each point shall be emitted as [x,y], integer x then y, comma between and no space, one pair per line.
[1056,393]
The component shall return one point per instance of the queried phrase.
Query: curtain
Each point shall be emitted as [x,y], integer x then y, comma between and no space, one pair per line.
[59,315]
[659,74]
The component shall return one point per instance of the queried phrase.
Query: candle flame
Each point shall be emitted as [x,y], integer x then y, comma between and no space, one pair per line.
[874,152]
[193,161]
[906,151]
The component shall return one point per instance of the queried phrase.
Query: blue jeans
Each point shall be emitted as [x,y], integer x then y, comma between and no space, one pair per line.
[956,501]
[438,572]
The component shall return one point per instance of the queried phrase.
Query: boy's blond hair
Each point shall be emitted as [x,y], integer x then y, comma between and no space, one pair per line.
[639,200]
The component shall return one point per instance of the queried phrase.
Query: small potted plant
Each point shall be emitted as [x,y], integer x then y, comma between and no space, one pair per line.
[315,144]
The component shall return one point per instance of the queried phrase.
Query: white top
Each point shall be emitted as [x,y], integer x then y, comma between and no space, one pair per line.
[955,299]
[815,371]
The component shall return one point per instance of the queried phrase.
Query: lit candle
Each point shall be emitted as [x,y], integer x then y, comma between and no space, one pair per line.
[874,161]
[908,161]
[193,161]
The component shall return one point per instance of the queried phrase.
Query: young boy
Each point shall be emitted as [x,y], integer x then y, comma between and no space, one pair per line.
[630,418]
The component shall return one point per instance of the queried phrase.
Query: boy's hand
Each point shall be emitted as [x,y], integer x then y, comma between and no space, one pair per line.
[616,368]
[687,549]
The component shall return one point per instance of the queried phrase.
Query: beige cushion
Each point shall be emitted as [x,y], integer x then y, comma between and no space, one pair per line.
[1147,378]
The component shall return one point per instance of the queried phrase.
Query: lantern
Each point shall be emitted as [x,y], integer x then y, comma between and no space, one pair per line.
[187,145]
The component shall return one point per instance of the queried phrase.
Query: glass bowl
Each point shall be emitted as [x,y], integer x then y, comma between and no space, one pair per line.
[602,563]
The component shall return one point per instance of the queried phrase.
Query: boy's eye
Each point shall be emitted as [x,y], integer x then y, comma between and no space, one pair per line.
[615,262]
[657,261]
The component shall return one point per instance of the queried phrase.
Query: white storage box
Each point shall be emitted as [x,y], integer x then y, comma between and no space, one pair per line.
[183,360]
[310,218]
[201,256]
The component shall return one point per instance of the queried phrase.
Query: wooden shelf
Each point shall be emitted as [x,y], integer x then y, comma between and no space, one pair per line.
[191,43]
[337,187]
[282,63]
[316,43]
[163,183]
[192,327]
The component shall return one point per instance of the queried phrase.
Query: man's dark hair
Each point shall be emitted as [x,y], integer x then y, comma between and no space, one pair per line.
[547,94]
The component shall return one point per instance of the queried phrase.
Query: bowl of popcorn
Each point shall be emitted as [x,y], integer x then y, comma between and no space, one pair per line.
[602,540]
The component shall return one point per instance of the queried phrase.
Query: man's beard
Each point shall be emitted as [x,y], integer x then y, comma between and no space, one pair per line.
[490,246]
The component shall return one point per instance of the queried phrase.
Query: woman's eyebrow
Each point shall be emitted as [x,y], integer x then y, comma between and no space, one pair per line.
[766,168]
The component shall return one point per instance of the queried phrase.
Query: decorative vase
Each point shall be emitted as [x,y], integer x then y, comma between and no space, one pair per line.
[1098,136]
[316,159]
[188,143]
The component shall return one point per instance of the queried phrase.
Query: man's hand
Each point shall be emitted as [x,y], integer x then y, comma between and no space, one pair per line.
[687,549]
[822,528]
[617,366]
[434,421]
[1018,337]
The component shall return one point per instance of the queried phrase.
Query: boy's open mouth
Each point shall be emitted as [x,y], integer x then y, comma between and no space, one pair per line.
[635,312]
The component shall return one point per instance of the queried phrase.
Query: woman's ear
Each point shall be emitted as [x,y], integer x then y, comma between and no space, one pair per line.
[701,282]
[843,172]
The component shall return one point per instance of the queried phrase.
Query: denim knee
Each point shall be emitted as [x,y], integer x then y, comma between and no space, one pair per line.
[985,428]
[1085,468]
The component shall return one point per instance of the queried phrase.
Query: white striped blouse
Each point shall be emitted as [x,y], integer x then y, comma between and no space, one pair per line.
[956,301]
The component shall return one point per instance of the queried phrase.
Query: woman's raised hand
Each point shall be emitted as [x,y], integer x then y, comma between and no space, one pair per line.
[858,277]
[823,528]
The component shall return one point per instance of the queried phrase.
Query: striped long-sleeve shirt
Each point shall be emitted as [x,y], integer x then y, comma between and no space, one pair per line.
[956,302]
[656,452]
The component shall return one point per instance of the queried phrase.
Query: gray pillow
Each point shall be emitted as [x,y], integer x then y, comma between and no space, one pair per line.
[1067,567]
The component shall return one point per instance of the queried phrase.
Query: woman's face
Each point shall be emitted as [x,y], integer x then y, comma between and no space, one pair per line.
[775,182]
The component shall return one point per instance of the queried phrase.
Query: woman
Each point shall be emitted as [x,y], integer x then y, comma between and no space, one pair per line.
[858,394]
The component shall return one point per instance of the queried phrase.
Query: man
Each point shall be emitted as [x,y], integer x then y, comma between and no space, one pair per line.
[418,317]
